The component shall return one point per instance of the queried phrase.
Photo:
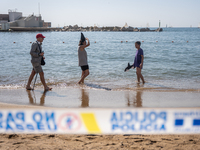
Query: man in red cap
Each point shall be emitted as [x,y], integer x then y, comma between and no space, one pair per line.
[36,57]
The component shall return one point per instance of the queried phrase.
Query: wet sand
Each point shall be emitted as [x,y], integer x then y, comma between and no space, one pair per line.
[100,98]
[20,98]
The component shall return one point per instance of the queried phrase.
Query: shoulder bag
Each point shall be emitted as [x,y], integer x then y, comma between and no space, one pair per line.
[42,60]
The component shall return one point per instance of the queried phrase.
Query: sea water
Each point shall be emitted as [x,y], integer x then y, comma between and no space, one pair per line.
[171,59]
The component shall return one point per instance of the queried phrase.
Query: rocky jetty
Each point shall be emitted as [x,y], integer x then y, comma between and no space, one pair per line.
[114,29]
[76,28]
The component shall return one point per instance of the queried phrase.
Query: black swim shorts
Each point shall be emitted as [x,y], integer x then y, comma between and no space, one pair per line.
[84,67]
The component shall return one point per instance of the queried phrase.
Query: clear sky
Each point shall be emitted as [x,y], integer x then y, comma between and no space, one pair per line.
[137,13]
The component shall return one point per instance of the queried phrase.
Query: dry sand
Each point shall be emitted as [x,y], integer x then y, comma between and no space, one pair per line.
[73,142]
[107,142]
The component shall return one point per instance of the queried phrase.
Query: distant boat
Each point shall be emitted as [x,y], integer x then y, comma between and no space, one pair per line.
[199,25]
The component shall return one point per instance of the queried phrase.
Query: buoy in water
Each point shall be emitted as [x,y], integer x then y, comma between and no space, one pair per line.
[142,41]
[121,41]
[156,41]
[187,41]
[126,41]
[95,42]
[30,42]
[13,42]
[172,41]
[63,42]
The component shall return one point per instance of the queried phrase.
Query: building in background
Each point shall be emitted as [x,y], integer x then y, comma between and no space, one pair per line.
[13,15]
[16,19]
[46,24]
[4,19]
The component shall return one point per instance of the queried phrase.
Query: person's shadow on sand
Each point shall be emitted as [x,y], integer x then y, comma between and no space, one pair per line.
[33,100]
[136,99]
[84,98]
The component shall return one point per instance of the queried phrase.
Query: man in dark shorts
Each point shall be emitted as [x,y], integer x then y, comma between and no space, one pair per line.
[36,57]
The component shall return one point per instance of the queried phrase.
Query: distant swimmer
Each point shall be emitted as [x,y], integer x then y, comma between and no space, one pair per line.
[37,55]
[82,57]
[138,61]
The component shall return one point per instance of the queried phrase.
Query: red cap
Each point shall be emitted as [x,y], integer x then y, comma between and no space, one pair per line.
[40,35]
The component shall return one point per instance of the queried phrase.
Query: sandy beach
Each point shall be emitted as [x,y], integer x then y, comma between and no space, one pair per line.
[113,142]
[112,110]
[88,98]
[107,142]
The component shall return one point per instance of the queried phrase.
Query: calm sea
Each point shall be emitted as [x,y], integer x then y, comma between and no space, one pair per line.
[167,65]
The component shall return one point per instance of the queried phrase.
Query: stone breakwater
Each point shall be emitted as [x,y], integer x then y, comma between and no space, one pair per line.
[116,29]
[76,28]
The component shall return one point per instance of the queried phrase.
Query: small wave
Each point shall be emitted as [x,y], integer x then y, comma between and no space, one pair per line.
[11,86]
[128,87]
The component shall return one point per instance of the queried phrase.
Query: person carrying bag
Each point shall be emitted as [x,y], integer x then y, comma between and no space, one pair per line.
[37,59]
[42,60]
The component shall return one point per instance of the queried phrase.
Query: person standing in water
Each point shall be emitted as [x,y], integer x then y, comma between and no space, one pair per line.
[82,57]
[138,62]
[36,56]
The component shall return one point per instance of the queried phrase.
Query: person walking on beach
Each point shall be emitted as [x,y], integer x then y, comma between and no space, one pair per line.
[138,61]
[36,57]
[82,57]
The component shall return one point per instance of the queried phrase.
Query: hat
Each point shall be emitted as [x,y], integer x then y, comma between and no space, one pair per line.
[40,35]
[82,37]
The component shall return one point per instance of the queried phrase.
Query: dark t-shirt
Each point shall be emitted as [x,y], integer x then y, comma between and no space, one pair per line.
[138,58]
